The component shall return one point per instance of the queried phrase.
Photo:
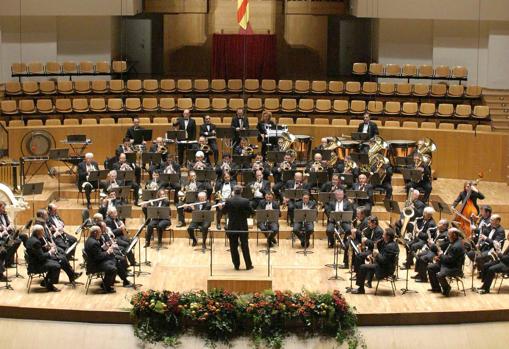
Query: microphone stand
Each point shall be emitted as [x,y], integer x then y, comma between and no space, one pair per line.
[335,264]
[406,289]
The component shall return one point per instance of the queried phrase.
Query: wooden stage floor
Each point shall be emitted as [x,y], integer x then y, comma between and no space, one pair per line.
[180,267]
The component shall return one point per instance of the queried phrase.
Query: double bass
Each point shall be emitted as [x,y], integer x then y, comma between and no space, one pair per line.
[466,211]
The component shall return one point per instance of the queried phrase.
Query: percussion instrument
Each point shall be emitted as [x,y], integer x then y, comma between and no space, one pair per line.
[302,146]
[347,147]
[400,148]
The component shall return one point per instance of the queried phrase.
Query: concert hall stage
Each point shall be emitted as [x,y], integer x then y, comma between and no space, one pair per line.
[179,267]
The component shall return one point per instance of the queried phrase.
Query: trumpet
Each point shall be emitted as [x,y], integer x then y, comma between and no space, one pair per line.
[350,165]
[257,165]
[125,167]
[316,167]
[205,148]
[285,166]
[199,165]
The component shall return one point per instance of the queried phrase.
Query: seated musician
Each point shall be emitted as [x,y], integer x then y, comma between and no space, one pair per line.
[490,239]
[61,238]
[339,204]
[170,166]
[44,255]
[101,259]
[244,148]
[199,163]
[262,126]
[363,185]
[126,147]
[41,218]
[155,223]
[498,265]
[371,237]
[226,165]
[348,166]
[324,143]
[239,122]
[418,206]
[259,187]
[332,185]
[355,234]
[159,146]
[386,183]
[111,182]
[8,241]
[208,130]
[303,230]
[259,164]
[424,230]
[201,205]
[384,262]
[317,165]
[368,126]
[277,172]
[270,229]
[120,233]
[425,183]
[84,168]
[447,263]
[108,202]
[203,146]
[430,250]
[192,186]
[187,124]
[154,183]
[296,183]
[481,225]
[223,191]
[123,165]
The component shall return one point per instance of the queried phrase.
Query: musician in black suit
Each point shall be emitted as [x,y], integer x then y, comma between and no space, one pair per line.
[158,146]
[84,169]
[101,260]
[123,165]
[119,230]
[238,210]
[208,130]
[332,185]
[259,187]
[303,230]
[169,167]
[262,126]
[7,232]
[226,165]
[56,225]
[386,183]
[482,226]
[296,183]
[359,224]
[185,123]
[131,130]
[371,237]
[501,266]
[339,204]
[368,127]
[475,194]
[418,206]
[423,258]
[270,229]
[425,230]
[202,205]
[111,182]
[239,122]
[363,185]
[448,263]
[223,191]
[110,201]
[425,182]
[384,262]
[490,239]
[159,224]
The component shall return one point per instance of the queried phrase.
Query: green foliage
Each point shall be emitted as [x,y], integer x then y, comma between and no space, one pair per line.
[220,316]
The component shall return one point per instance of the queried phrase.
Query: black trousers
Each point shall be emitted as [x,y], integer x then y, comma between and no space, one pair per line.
[52,268]
[421,264]
[234,239]
[10,253]
[273,227]
[181,215]
[437,276]
[62,244]
[181,148]
[109,268]
[3,253]
[303,231]
[160,225]
[330,230]
[360,259]
[366,272]
[87,188]
[203,227]
[66,267]
[489,271]
[411,250]
[387,187]
[219,214]
[213,147]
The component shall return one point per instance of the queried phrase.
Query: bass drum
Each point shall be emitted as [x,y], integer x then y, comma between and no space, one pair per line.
[37,143]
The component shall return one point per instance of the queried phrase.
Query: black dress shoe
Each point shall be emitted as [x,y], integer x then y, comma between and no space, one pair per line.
[416,276]
[77,275]
[421,280]
[127,283]
[249,267]
[447,292]
[3,278]
[194,242]
[358,291]
[147,244]
[237,267]
[368,285]
[434,291]
[52,288]
[43,283]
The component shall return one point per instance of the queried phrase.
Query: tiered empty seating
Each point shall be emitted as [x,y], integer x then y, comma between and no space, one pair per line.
[410,71]
[68,68]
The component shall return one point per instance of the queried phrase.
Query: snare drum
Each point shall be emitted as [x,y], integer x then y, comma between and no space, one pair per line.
[347,147]
[400,148]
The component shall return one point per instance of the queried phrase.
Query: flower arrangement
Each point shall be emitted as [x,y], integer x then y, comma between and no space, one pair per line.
[220,316]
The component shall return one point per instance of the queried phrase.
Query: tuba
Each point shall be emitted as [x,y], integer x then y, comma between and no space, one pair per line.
[376,164]
[332,144]
[426,149]
[285,143]
[377,144]
[350,165]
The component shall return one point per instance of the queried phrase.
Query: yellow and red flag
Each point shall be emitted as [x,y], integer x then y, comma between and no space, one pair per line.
[243,13]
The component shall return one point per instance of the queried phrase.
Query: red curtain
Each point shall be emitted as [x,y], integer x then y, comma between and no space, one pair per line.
[244,56]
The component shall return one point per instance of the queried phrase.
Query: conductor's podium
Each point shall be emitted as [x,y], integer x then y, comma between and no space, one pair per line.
[240,281]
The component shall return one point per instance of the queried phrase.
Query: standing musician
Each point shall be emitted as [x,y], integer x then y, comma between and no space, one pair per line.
[185,123]
[263,125]
[418,206]
[490,239]
[296,183]
[223,191]
[45,255]
[238,210]
[332,185]
[447,263]
[208,130]
[239,122]
[201,205]
[9,244]
[500,264]
[372,235]
[160,147]
[101,259]
[425,183]
[123,165]
[303,230]
[339,204]
[424,230]
[226,165]
[159,224]
[270,229]
[131,130]
[56,225]
[384,262]
[84,168]
[363,185]
[475,195]
[120,233]
[359,224]
[259,187]
[430,250]
[368,127]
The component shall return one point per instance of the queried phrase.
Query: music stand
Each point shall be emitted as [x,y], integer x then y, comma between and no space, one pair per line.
[355,251]
[441,207]
[178,135]
[203,216]
[156,212]
[126,176]
[288,175]
[248,175]
[142,135]
[318,177]
[130,158]
[325,196]
[241,160]
[357,194]
[224,132]
[246,133]
[404,162]
[191,196]
[121,192]
[134,241]
[360,136]
[275,156]
[148,158]
[293,194]
[339,218]
[97,176]
[267,216]
[205,175]
[360,158]
[326,153]
[32,189]
[411,175]
[124,211]
[305,216]
[392,206]
[346,178]
[147,194]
